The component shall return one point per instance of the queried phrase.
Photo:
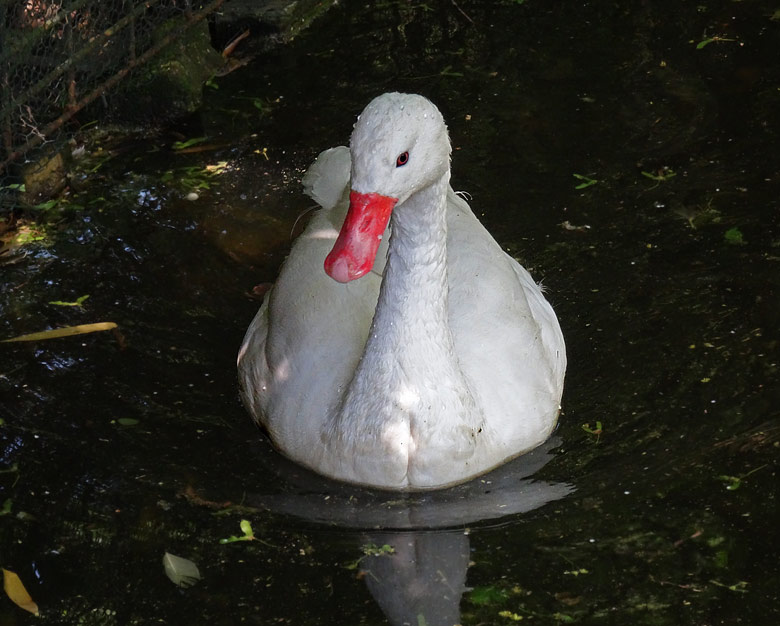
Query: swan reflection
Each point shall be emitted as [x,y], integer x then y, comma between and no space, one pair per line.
[421,576]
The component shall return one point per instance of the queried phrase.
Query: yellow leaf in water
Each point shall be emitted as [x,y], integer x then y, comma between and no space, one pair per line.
[67,331]
[15,590]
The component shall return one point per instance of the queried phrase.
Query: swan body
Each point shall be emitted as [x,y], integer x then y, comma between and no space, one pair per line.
[411,361]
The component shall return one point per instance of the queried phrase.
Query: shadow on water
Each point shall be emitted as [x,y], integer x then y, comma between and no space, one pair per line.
[660,504]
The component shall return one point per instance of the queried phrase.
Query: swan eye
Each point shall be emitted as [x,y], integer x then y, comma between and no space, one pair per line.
[402,159]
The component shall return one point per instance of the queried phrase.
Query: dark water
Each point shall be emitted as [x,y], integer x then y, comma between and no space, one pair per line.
[667,288]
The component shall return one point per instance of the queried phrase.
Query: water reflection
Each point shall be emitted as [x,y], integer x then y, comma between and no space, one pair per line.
[421,580]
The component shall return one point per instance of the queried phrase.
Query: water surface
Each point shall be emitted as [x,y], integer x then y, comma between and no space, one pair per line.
[664,274]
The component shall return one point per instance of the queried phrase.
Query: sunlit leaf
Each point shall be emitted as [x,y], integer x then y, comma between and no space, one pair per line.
[66,331]
[576,572]
[127,421]
[28,234]
[586,181]
[248,535]
[709,40]
[77,302]
[593,431]
[180,571]
[15,590]
[218,168]
[246,528]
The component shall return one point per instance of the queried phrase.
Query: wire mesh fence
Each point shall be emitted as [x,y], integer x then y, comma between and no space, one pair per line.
[58,57]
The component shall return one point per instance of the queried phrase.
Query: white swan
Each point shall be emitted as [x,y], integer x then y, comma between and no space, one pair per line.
[441,362]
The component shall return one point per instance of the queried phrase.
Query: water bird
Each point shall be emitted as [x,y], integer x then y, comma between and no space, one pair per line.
[400,348]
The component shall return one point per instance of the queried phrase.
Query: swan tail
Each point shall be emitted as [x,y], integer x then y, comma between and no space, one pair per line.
[327,179]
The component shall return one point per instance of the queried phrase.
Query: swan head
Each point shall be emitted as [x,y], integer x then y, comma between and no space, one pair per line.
[399,146]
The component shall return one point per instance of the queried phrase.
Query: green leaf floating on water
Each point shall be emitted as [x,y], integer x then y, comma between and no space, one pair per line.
[182,572]
[586,181]
[734,237]
[248,535]
[77,302]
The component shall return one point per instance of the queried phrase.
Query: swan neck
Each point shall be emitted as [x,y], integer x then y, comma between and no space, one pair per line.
[417,254]
[411,317]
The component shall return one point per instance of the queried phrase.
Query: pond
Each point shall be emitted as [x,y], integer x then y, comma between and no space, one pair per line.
[627,157]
